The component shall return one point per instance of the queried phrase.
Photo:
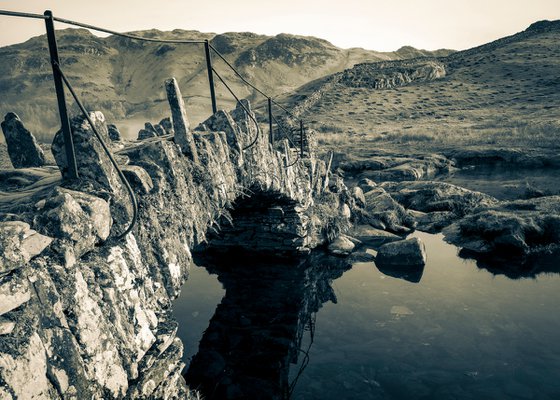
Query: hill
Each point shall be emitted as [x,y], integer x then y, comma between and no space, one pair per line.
[124,78]
[504,93]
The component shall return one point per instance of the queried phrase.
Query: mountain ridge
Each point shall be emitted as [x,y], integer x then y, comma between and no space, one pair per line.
[124,77]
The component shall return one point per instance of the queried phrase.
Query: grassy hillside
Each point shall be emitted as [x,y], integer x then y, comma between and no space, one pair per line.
[124,78]
[505,93]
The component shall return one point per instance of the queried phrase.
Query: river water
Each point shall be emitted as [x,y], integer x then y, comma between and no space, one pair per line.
[328,330]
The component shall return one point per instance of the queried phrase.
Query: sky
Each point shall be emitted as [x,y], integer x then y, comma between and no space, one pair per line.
[375,25]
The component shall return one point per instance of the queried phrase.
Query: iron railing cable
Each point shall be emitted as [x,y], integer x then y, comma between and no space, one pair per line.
[289,140]
[249,113]
[21,14]
[107,151]
[249,83]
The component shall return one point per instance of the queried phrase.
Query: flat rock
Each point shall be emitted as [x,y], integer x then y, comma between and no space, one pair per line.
[409,252]
[19,243]
[14,291]
[372,236]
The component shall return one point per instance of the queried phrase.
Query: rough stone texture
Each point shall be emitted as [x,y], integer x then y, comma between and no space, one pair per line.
[79,218]
[382,210]
[386,75]
[14,291]
[19,243]
[409,252]
[114,133]
[183,136]
[23,149]
[94,166]
[509,229]
[431,196]
[167,126]
[138,178]
[371,236]
[146,134]
[366,184]
[342,246]
[398,168]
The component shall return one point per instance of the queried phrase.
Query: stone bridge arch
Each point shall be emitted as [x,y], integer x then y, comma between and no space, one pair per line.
[85,283]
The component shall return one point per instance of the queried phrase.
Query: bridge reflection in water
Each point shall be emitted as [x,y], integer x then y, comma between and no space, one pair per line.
[256,333]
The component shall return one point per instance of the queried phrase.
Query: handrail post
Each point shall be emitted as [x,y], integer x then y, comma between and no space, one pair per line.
[210,76]
[72,166]
[270,121]
[301,136]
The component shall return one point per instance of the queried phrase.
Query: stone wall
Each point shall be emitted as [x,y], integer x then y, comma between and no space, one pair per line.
[85,315]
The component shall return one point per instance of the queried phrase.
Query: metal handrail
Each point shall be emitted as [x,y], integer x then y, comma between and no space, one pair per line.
[249,113]
[107,151]
[250,84]
[21,14]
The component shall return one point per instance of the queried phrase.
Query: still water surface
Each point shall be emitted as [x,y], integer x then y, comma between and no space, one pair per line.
[450,331]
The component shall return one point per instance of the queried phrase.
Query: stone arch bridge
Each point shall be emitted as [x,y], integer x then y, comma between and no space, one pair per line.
[85,314]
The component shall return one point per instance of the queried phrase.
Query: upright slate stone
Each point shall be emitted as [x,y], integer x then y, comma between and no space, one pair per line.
[183,137]
[22,147]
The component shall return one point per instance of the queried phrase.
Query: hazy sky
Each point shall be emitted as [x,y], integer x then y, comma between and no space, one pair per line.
[372,24]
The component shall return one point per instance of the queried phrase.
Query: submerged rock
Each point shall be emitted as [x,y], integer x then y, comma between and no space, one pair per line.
[409,252]
[23,149]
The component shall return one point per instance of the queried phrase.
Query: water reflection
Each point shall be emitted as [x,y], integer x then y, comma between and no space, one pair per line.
[257,330]
[515,268]
[406,272]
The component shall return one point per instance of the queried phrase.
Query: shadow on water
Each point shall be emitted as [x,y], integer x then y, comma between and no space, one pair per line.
[256,332]
[515,267]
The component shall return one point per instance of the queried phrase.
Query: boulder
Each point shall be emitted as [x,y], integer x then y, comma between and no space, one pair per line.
[80,218]
[510,230]
[341,246]
[138,178]
[358,195]
[114,133]
[23,149]
[371,236]
[366,184]
[381,207]
[19,243]
[429,196]
[409,252]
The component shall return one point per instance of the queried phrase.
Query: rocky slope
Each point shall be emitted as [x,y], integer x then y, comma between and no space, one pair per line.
[506,92]
[123,77]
